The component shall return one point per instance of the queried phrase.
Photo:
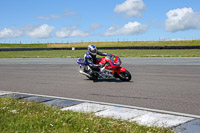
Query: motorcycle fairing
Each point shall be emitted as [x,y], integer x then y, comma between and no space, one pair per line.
[121,69]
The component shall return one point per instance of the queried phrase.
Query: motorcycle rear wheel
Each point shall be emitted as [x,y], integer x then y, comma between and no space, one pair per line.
[125,76]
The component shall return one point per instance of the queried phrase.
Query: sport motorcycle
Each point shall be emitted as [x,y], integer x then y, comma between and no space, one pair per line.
[110,68]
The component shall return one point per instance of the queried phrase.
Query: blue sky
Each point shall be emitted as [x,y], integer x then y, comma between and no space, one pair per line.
[32,21]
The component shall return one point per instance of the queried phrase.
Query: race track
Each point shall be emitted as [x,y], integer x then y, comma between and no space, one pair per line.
[171,84]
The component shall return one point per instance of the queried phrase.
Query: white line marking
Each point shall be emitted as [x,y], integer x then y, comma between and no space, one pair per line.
[4,93]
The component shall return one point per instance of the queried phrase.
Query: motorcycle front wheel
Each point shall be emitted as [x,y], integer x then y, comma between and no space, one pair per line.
[125,76]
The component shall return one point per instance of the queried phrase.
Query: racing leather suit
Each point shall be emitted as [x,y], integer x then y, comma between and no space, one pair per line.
[91,59]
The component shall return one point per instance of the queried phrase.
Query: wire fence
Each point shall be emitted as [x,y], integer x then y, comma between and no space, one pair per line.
[85,41]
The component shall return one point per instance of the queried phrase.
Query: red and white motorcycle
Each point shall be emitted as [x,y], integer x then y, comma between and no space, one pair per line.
[111,69]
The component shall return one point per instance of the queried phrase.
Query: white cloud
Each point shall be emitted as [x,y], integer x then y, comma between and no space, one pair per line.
[40,32]
[9,33]
[78,33]
[113,30]
[50,17]
[64,32]
[182,19]
[177,39]
[131,8]
[57,16]
[131,28]
[73,31]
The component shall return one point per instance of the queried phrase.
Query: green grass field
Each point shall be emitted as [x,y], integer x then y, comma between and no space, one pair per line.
[19,116]
[120,53]
[107,44]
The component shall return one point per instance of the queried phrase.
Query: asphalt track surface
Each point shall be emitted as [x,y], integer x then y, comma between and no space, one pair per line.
[171,84]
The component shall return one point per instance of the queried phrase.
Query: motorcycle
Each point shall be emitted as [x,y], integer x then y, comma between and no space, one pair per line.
[111,68]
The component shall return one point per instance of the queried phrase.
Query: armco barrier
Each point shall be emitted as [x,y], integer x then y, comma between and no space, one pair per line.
[84,48]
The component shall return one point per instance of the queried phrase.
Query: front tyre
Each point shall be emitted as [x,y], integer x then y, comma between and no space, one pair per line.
[125,76]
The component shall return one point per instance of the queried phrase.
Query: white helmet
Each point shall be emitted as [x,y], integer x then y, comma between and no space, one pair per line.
[92,49]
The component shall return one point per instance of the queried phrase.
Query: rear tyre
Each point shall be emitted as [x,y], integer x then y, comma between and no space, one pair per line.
[125,76]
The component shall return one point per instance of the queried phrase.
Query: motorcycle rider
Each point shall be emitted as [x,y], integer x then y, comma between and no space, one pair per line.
[90,58]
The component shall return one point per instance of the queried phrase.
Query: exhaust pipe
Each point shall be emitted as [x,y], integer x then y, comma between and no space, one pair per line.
[86,74]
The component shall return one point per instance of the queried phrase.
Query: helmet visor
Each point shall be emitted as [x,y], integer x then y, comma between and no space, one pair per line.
[94,51]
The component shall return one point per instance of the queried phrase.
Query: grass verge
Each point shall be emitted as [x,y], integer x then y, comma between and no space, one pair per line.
[107,44]
[120,53]
[25,116]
